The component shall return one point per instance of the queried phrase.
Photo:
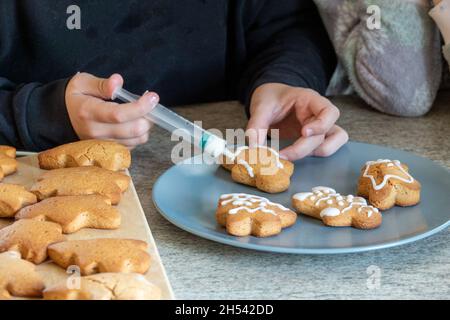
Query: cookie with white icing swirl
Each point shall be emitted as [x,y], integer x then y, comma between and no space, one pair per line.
[260,167]
[336,210]
[244,215]
[387,183]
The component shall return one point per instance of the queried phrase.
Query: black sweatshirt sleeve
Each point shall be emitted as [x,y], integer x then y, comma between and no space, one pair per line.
[286,42]
[33,116]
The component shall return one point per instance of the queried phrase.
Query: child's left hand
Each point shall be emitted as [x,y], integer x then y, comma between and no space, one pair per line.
[298,113]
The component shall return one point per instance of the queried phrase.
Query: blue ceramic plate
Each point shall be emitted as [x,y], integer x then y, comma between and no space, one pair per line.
[187,196]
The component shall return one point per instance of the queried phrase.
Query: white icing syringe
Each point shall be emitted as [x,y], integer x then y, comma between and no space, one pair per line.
[172,122]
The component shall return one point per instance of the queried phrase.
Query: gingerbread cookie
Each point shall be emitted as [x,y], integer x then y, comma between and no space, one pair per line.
[244,215]
[81,181]
[104,154]
[336,210]
[8,163]
[106,286]
[102,255]
[13,198]
[386,183]
[18,278]
[261,168]
[30,238]
[74,213]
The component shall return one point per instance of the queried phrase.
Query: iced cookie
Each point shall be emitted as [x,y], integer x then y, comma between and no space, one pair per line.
[243,215]
[81,181]
[74,213]
[102,255]
[106,286]
[261,168]
[30,238]
[104,154]
[386,183]
[13,198]
[18,278]
[336,210]
[8,163]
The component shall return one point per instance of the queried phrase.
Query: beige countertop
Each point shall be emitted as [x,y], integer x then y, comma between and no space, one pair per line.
[201,269]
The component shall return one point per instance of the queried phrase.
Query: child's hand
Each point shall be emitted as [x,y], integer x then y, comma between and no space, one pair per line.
[298,113]
[93,116]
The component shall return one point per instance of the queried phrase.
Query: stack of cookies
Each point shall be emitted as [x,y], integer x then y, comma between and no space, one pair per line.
[80,189]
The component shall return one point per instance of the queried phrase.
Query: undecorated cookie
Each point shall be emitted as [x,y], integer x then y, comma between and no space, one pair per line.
[13,198]
[102,255]
[74,213]
[18,278]
[243,215]
[261,168]
[8,163]
[106,286]
[104,154]
[30,238]
[81,181]
[335,210]
[387,183]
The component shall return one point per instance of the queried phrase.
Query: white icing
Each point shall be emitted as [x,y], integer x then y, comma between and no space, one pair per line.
[303,195]
[245,201]
[13,254]
[386,178]
[215,146]
[323,189]
[247,165]
[330,201]
[330,212]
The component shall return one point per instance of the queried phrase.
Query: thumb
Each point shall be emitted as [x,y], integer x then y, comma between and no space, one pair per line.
[98,87]
[258,126]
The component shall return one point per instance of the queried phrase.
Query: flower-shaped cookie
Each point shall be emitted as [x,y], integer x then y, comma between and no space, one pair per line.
[8,163]
[243,215]
[74,213]
[336,210]
[260,167]
[18,278]
[13,198]
[386,183]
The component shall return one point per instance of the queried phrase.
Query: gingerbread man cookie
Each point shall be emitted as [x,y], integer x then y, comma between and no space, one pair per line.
[104,154]
[335,210]
[386,183]
[74,213]
[106,286]
[102,255]
[243,215]
[8,163]
[30,238]
[13,198]
[260,167]
[18,278]
[81,181]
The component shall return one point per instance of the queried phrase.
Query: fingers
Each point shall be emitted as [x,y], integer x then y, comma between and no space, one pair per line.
[325,115]
[88,84]
[109,112]
[124,131]
[258,127]
[302,147]
[336,138]
[134,142]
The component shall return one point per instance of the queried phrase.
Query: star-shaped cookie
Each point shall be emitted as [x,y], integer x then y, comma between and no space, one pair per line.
[8,163]
[30,238]
[335,210]
[13,198]
[386,183]
[106,286]
[81,181]
[101,153]
[18,278]
[243,215]
[261,168]
[74,213]
[102,255]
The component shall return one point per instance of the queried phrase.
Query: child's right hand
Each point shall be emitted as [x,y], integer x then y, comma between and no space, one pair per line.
[93,116]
